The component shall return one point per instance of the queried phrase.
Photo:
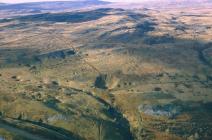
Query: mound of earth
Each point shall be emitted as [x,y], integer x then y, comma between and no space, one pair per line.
[106,81]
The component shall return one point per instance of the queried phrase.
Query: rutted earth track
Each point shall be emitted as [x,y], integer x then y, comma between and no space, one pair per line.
[49,133]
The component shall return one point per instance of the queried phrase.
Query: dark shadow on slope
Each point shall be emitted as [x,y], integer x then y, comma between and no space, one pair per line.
[150,40]
[72,17]
[13,57]
[203,56]
[168,56]
[140,30]
[15,26]
[111,130]
[121,123]
[60,54]
[136,16]
[118,129]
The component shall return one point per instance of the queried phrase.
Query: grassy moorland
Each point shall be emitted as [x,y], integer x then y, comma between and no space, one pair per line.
[107,74]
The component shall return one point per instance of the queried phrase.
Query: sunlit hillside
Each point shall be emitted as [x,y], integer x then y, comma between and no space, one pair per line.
[108,71]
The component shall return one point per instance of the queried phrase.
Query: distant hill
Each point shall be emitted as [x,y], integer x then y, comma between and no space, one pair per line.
[185,2]
[56,5]
[172,3]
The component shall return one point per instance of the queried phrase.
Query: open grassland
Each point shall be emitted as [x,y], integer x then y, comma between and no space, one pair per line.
[107,74]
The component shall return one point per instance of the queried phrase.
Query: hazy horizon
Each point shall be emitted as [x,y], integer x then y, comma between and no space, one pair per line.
[26,1]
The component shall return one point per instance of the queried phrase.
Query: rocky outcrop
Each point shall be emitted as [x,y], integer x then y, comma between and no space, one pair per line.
[168,110]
